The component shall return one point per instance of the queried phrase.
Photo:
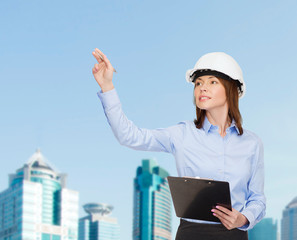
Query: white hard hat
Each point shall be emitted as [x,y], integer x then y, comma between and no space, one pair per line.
[218,64]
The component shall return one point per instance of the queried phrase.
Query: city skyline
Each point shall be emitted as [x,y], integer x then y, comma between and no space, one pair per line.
[49,100]
[149,167]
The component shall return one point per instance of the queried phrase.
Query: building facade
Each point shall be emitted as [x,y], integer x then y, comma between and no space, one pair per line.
[37,205]
[152,203]
[265,229]
[98,225]
[289,221]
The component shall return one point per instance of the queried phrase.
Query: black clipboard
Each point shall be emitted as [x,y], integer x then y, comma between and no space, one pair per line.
[194,198]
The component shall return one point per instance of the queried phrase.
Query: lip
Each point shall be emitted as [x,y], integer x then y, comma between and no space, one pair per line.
[203,98]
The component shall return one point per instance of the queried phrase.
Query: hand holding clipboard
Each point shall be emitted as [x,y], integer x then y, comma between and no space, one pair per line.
[195,198]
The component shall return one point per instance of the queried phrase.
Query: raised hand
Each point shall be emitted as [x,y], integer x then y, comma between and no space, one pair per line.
[103,71]
[230,219]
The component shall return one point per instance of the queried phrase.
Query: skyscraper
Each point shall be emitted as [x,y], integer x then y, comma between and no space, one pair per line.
[289,221]
[37,205]
[98,225]
[266,229]
[152,203]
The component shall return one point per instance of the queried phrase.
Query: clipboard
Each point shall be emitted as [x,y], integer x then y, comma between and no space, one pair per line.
[194,198]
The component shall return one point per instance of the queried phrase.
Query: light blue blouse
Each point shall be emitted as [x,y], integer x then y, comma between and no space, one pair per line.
[203,153]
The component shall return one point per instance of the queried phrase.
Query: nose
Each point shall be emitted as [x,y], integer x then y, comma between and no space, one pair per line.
[203,87]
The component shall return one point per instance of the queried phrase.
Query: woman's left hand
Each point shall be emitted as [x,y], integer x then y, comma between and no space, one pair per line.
[230,219]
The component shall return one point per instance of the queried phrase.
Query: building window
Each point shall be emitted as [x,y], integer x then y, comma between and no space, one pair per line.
[56,237]
[46,236]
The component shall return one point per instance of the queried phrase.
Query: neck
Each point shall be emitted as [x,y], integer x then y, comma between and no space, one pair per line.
[219,118]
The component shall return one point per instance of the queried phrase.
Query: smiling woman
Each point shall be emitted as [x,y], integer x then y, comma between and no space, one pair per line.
[213,146]
[221,89]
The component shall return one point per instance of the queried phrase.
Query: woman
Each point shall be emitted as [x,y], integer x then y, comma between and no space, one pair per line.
[213,146]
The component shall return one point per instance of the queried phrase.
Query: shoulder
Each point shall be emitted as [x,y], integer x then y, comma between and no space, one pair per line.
[183,124]
[252,141]
[252,136]
[180,129]
[187,125]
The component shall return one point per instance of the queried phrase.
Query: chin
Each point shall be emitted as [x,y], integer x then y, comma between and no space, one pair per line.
[202,106]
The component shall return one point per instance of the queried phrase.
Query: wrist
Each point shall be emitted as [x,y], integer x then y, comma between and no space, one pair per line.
[245,221]
[107,88]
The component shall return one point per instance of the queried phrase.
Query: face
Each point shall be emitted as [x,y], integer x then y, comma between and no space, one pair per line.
[210,93]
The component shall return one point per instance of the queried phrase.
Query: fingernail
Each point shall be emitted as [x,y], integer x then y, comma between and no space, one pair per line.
[212,210]
[214,214]
[218,207]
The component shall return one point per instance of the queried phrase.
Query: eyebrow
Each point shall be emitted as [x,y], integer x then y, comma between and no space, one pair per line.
[208,77]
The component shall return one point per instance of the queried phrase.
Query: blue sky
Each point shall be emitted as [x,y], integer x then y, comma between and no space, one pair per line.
[48,94]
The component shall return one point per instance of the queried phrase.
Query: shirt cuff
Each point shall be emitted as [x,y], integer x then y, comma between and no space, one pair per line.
[109,99]
[250,218]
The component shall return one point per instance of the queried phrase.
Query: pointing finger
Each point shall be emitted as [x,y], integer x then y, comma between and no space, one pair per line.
[105,59]
[100,54]
[97,57]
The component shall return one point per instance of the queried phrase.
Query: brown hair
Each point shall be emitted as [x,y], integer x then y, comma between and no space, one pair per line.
[232,96]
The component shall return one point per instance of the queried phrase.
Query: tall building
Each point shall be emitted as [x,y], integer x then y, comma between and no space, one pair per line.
[37,205]
[152,203]
[265,229]
[289,221]
[98,225]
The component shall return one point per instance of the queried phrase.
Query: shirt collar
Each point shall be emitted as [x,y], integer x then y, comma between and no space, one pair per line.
[207,126]
[233,126]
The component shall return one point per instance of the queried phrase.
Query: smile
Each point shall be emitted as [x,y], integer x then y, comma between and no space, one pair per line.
[203,98]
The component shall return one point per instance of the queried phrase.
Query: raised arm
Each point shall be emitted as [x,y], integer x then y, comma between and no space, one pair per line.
[126,132]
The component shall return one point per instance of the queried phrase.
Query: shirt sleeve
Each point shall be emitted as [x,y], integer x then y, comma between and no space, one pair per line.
[255,207]
[127,133]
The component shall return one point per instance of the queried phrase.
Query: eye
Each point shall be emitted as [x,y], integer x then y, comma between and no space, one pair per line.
[198,83]
[214,82]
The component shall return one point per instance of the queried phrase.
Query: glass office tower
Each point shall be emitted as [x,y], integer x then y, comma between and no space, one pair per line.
[152,203]
[98,225]
[289,221]
[37,206]
[265,229]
